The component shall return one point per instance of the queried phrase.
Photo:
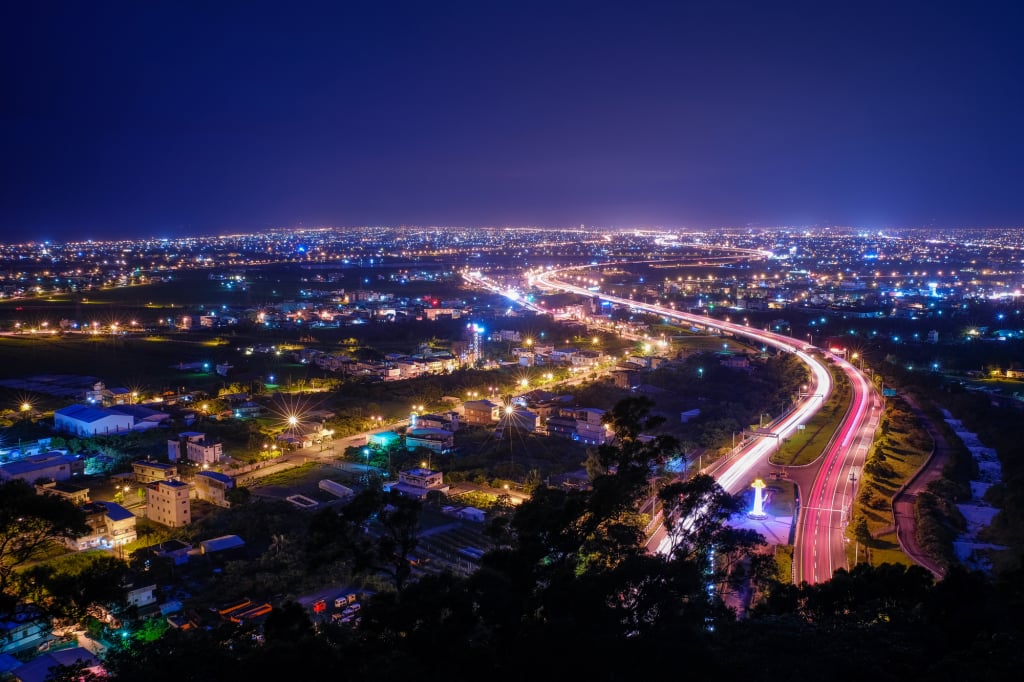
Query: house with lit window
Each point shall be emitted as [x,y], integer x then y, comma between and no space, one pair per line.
[110,525]
[419,482]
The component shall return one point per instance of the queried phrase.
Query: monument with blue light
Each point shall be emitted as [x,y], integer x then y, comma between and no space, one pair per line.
[758,511]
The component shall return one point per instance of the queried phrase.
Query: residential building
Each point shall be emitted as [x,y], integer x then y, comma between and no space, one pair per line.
[202,451]
[213,486]
[167,503]
[26,627]
[419,482]
[141,596]
[110,525]
[519,420]
[75,494]
[481,412]
[624,378]
[449,421]
[147,471]
[590,428]
[39,669]
[586,358]
[583,424]
[54,465]
[437,440]
[194,447]
[561,425]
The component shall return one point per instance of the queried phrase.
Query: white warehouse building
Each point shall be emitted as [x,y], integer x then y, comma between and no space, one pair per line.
[86,420]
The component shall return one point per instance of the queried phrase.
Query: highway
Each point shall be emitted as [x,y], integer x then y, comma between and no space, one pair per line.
[825,512]
[820,546]
[736,474]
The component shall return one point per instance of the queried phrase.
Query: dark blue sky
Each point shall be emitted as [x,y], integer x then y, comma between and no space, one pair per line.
[164,119]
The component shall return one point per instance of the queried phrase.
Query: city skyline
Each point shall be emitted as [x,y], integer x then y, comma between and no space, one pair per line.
[171,120]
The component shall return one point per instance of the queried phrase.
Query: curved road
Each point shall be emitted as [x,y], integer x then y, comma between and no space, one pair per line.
[824,513]
[820,542]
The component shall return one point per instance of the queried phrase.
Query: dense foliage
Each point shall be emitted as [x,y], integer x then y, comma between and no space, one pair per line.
[571,593]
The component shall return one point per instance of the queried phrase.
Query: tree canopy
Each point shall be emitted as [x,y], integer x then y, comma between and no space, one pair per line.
[28,523]
[571,591]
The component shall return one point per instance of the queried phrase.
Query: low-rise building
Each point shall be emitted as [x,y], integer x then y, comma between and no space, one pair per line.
[419,482]
[26,627]
[213,487]
[194,447]
[147,471]
[75,494]
[449,421]
[590,428]
[110,525]
[223,543]
[519,420]
[167,503]
[481,412]
[175,550]
[86,420]
[583,424]
[54,465]
[437,440]
[138,597]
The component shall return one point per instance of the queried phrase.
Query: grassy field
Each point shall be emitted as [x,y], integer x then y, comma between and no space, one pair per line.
[902,448]
[784,563]
[806,445]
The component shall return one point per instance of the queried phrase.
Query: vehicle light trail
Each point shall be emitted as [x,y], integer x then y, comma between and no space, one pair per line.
[820,534]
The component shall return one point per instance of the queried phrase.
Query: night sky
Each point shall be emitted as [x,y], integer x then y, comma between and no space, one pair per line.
[168,119]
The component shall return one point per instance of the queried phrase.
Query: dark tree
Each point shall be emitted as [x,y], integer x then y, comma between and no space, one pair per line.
[69,595]
[28,523]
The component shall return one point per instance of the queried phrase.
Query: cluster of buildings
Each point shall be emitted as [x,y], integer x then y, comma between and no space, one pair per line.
[547,355]
[393,367]
[543,412]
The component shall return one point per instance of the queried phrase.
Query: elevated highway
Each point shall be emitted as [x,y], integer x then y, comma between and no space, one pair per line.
[820,541]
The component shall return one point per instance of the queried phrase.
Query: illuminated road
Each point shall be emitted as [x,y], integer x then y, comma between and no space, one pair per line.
[821,541]
[820,546]
[735,475]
